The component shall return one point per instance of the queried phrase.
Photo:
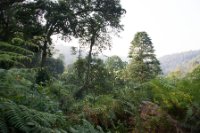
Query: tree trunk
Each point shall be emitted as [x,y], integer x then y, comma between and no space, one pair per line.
[44,54]
[79,93]
[89,62]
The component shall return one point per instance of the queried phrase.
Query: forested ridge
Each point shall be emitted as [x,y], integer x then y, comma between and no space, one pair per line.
[38,93]
[184,61]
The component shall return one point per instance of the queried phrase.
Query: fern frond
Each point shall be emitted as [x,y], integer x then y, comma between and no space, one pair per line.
[10,53]
[9,47]
[6,59]
[20,42]
[87,127]
[17,41]
[13,116]
[30,44]
[3,125]
[13,56]
[25,119]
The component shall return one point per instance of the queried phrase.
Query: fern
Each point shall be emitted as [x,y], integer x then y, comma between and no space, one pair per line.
[9,47]
[23,119]
[15,52]
[3,125]
[169,95]
[86,127]
[16,85]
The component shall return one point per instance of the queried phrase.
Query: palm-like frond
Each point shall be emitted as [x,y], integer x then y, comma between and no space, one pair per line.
[24,119]
[15,52]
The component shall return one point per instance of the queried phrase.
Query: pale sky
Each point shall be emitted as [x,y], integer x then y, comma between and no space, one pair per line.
[173,25]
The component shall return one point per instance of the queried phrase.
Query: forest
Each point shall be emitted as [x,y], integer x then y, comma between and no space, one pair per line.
[40,94]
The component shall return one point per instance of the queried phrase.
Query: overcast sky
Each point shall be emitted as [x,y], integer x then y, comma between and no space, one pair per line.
[173,25]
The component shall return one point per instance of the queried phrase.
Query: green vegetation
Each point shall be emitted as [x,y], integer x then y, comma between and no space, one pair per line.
[39,94]
[144,65]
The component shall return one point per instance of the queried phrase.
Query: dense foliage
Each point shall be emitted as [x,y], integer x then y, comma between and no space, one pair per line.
[39,94]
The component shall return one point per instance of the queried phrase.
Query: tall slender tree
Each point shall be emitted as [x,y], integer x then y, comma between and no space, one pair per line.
[98,22]
[143,64]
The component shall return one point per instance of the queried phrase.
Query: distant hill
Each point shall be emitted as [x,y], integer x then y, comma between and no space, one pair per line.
[184,61]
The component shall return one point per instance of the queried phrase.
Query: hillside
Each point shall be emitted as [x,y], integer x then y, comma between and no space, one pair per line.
[184,61]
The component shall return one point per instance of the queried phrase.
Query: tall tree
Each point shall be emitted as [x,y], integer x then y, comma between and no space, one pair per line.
[79,18]
[143,65]
[56,17]
[98,22]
